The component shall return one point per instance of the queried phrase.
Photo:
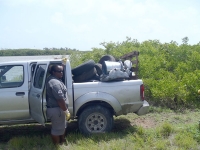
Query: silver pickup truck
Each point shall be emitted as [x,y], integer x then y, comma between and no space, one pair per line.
[93,104]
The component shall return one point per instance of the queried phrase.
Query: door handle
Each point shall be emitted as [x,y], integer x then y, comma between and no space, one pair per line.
[20,93]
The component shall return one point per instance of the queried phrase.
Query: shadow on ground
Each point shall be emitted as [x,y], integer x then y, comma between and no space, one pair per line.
[34,129]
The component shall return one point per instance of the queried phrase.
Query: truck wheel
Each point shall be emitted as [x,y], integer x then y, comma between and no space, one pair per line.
[95,119]
[98,67]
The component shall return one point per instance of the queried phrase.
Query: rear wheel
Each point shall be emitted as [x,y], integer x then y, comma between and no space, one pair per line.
[95,119]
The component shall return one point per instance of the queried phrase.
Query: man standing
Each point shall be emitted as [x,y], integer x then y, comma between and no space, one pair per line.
[57,104]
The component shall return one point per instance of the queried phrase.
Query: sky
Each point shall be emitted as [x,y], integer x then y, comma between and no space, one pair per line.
[84,24]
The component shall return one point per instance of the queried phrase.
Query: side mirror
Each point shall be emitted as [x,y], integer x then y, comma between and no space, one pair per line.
[3,78]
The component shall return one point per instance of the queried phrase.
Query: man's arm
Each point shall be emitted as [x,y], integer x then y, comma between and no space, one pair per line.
[62,104]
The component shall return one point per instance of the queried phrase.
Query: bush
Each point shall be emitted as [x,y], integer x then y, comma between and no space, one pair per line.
[170,71]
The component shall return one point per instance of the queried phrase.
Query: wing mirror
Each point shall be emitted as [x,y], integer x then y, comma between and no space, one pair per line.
[3,78]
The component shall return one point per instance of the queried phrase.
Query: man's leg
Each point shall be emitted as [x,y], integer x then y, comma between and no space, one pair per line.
[55,139]
[62,138]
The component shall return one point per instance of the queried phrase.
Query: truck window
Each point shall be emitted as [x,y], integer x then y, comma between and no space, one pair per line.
[11,76]
[39,76]
[32,69]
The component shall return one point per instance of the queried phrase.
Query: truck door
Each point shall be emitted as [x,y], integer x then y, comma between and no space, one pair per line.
[14,91]
[37,96]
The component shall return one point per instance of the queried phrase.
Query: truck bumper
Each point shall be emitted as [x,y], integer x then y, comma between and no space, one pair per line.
[144,109]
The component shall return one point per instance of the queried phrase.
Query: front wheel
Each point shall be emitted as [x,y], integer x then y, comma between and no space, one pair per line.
[95,119]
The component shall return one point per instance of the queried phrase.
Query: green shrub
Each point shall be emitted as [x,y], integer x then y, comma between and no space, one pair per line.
[166,129]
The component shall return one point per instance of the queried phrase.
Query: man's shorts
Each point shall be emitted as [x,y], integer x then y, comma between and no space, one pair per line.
[58,121]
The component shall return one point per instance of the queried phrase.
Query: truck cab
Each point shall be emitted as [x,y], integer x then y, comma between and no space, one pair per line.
[22,90]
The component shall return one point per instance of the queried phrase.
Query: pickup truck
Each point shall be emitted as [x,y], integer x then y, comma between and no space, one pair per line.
[92,104]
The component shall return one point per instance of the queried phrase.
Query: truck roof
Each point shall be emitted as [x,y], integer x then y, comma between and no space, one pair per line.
[30,61]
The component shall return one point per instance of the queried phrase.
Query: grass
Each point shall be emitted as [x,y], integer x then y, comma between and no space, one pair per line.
[160,129]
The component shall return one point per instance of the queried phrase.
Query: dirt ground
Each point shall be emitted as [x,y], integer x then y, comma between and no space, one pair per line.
[144,122]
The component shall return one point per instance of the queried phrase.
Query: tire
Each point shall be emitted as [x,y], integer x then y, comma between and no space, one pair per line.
[98,67]
[86,66]
[95,119]
[95,78]
[85,75]
[106,58]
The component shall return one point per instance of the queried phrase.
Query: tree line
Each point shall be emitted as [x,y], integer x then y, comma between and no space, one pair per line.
[35,52]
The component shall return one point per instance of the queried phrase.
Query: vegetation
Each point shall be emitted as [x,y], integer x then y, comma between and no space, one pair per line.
[161,129]
[35,52]
[170,71]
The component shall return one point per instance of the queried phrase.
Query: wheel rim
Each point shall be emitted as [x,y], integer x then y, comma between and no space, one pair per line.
[96,122]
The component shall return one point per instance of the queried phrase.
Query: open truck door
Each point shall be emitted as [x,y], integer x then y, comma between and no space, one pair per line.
[37,98]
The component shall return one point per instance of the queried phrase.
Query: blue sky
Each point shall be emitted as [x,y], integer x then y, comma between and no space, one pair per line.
[84,24]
